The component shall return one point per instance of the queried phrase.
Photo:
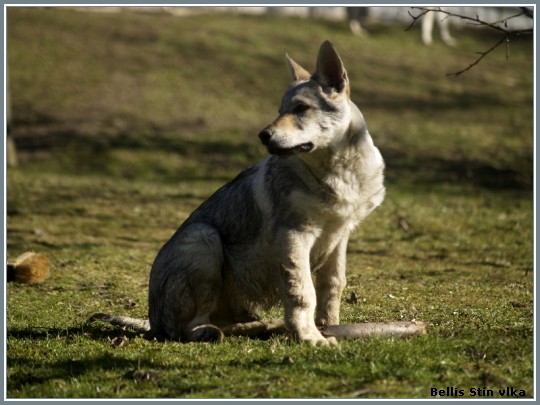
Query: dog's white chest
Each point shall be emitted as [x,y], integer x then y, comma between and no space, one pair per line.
[357,188]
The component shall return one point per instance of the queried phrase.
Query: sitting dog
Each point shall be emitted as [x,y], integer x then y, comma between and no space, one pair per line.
[278,232]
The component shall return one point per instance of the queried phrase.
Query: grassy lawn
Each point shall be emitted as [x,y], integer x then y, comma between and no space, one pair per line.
[126,122]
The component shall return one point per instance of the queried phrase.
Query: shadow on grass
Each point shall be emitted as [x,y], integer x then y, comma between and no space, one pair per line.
[435,169]
[71,368]
[27,374]
[221,160]
[25,371]
[96,332]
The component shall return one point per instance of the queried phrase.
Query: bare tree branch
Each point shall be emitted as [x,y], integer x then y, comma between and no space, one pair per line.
[482,56]
[415,18]
[499,26]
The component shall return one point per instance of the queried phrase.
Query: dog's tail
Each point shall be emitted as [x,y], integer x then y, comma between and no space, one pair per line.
[139,325]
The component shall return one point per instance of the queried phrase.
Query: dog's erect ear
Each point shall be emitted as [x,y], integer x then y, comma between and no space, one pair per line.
[330,72]
[297,72]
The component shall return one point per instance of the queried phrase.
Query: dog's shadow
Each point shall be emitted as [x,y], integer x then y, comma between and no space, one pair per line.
[93,331]
[98,332]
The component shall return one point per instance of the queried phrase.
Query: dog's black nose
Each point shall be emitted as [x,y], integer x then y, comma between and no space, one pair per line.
[265,136]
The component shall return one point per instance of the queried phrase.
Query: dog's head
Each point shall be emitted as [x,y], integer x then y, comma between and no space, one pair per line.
[315,112]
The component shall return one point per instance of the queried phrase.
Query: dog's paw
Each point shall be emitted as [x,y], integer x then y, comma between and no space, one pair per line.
[329,341]
[316,339]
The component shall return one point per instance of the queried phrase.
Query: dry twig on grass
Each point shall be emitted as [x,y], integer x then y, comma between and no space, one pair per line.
[347,331]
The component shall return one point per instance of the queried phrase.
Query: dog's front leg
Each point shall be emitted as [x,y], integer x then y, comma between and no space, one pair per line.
[330,282]
[298,289]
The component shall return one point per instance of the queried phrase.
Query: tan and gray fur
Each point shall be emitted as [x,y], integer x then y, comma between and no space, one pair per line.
[278,232]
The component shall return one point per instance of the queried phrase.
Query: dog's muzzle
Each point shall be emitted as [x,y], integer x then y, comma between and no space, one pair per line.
[266,138]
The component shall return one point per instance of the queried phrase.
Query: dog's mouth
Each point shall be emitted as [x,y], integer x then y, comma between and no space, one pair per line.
[302,148]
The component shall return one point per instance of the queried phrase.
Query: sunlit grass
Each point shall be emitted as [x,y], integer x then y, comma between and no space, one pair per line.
[127,122]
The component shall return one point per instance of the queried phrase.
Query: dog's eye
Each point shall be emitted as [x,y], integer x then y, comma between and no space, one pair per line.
[300,108]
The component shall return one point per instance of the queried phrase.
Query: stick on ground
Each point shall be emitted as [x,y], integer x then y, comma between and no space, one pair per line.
[348,331]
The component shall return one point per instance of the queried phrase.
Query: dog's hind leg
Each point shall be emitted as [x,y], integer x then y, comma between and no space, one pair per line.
[204,254]
[191,284]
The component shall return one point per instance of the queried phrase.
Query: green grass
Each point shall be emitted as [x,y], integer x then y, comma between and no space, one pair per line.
[126,122]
